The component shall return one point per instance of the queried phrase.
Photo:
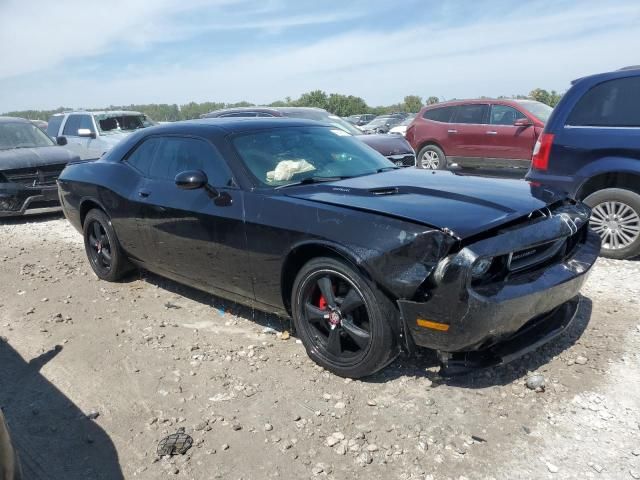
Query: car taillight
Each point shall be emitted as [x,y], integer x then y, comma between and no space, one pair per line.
[540,159]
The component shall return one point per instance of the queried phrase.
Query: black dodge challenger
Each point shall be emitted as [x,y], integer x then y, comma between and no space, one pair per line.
[30,163]
[295,217]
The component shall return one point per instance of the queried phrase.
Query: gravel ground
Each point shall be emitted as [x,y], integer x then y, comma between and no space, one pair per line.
[93,375]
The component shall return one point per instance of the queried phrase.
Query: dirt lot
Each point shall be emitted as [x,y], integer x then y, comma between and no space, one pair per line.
[148,356]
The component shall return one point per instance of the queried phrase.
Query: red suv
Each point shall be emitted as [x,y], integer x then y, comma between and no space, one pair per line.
[477,133]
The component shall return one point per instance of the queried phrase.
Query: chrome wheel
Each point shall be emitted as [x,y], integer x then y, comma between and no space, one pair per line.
[430,160]
[617,224]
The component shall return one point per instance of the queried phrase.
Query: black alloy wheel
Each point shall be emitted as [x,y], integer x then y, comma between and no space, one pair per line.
[100,251]
[102,247]
[343,322]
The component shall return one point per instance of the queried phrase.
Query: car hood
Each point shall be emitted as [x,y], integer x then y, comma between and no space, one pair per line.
[387,144]
[114,138]
[462,205]
[35,157]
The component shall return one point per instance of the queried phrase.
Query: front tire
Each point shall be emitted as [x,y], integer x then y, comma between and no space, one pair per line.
[432,157]
[344,322]
[102,247]
[616,218]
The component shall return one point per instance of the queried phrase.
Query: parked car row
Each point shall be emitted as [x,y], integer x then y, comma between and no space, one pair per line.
[589,147]
[384,123]
[367,258]
[360,120]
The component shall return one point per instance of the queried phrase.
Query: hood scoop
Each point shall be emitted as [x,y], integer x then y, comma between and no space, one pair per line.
[385,191]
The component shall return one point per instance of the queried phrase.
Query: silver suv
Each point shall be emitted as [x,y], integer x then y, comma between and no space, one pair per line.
[90,134]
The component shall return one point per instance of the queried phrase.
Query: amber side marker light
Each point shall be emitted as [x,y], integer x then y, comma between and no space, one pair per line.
[443,327]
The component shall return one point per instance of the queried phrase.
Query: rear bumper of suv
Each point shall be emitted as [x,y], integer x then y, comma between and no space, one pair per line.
[561,183]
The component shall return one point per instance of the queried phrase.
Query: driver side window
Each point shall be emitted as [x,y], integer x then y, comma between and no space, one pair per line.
[162,158]
[504,115]
[75,123]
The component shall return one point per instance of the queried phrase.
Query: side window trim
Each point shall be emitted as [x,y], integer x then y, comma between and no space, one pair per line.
[485,116]
[451,112]
[217,157]
[519,114]
[70,118]
[92,122]
[132,150]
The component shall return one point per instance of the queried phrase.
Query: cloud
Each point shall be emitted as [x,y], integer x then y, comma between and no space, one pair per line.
[48,34]
[492,55]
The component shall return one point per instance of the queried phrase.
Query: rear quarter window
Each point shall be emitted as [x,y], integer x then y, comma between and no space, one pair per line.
[614,103]
[474,113]
[441,114]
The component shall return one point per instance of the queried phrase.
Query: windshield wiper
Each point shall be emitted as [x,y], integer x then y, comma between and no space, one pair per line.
[311,180]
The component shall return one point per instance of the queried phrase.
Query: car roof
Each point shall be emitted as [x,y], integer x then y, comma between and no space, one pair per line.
[13,120]
[499,101]
[265,109]
[632,71]
[99,112]
[235,124]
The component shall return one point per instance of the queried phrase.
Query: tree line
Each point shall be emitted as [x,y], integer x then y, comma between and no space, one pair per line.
[336,103]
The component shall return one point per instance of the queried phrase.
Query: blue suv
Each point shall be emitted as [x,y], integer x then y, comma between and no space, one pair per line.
[590,147]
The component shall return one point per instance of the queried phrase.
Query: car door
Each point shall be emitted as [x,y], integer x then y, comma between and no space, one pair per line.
[197,235]
[95,144]
[79,144]
[133,235]
[467,134]
[75,143]
[508,145]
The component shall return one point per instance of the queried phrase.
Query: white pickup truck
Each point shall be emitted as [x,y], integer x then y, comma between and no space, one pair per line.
[91,134]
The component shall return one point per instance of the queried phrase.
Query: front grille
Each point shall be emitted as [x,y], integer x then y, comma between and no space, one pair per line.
[532,256]
[403,160]
[42,176]
[535,256]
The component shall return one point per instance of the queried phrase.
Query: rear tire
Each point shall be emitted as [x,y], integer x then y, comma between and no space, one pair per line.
[343,320]
[616,218]
[431,157]
[103,248]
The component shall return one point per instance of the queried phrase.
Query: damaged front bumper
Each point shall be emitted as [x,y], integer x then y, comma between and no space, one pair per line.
[515,309]
[17,199]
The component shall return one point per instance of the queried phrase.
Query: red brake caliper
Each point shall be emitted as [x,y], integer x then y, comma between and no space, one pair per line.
[322,303]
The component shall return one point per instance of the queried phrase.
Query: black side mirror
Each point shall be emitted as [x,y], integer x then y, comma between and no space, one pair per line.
[191,179]
[195,179]
[62,141]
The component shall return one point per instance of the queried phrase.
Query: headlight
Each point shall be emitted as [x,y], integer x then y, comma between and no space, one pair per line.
[441,269]
[481,267]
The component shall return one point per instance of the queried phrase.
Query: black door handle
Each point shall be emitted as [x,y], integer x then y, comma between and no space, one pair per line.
[144,193]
